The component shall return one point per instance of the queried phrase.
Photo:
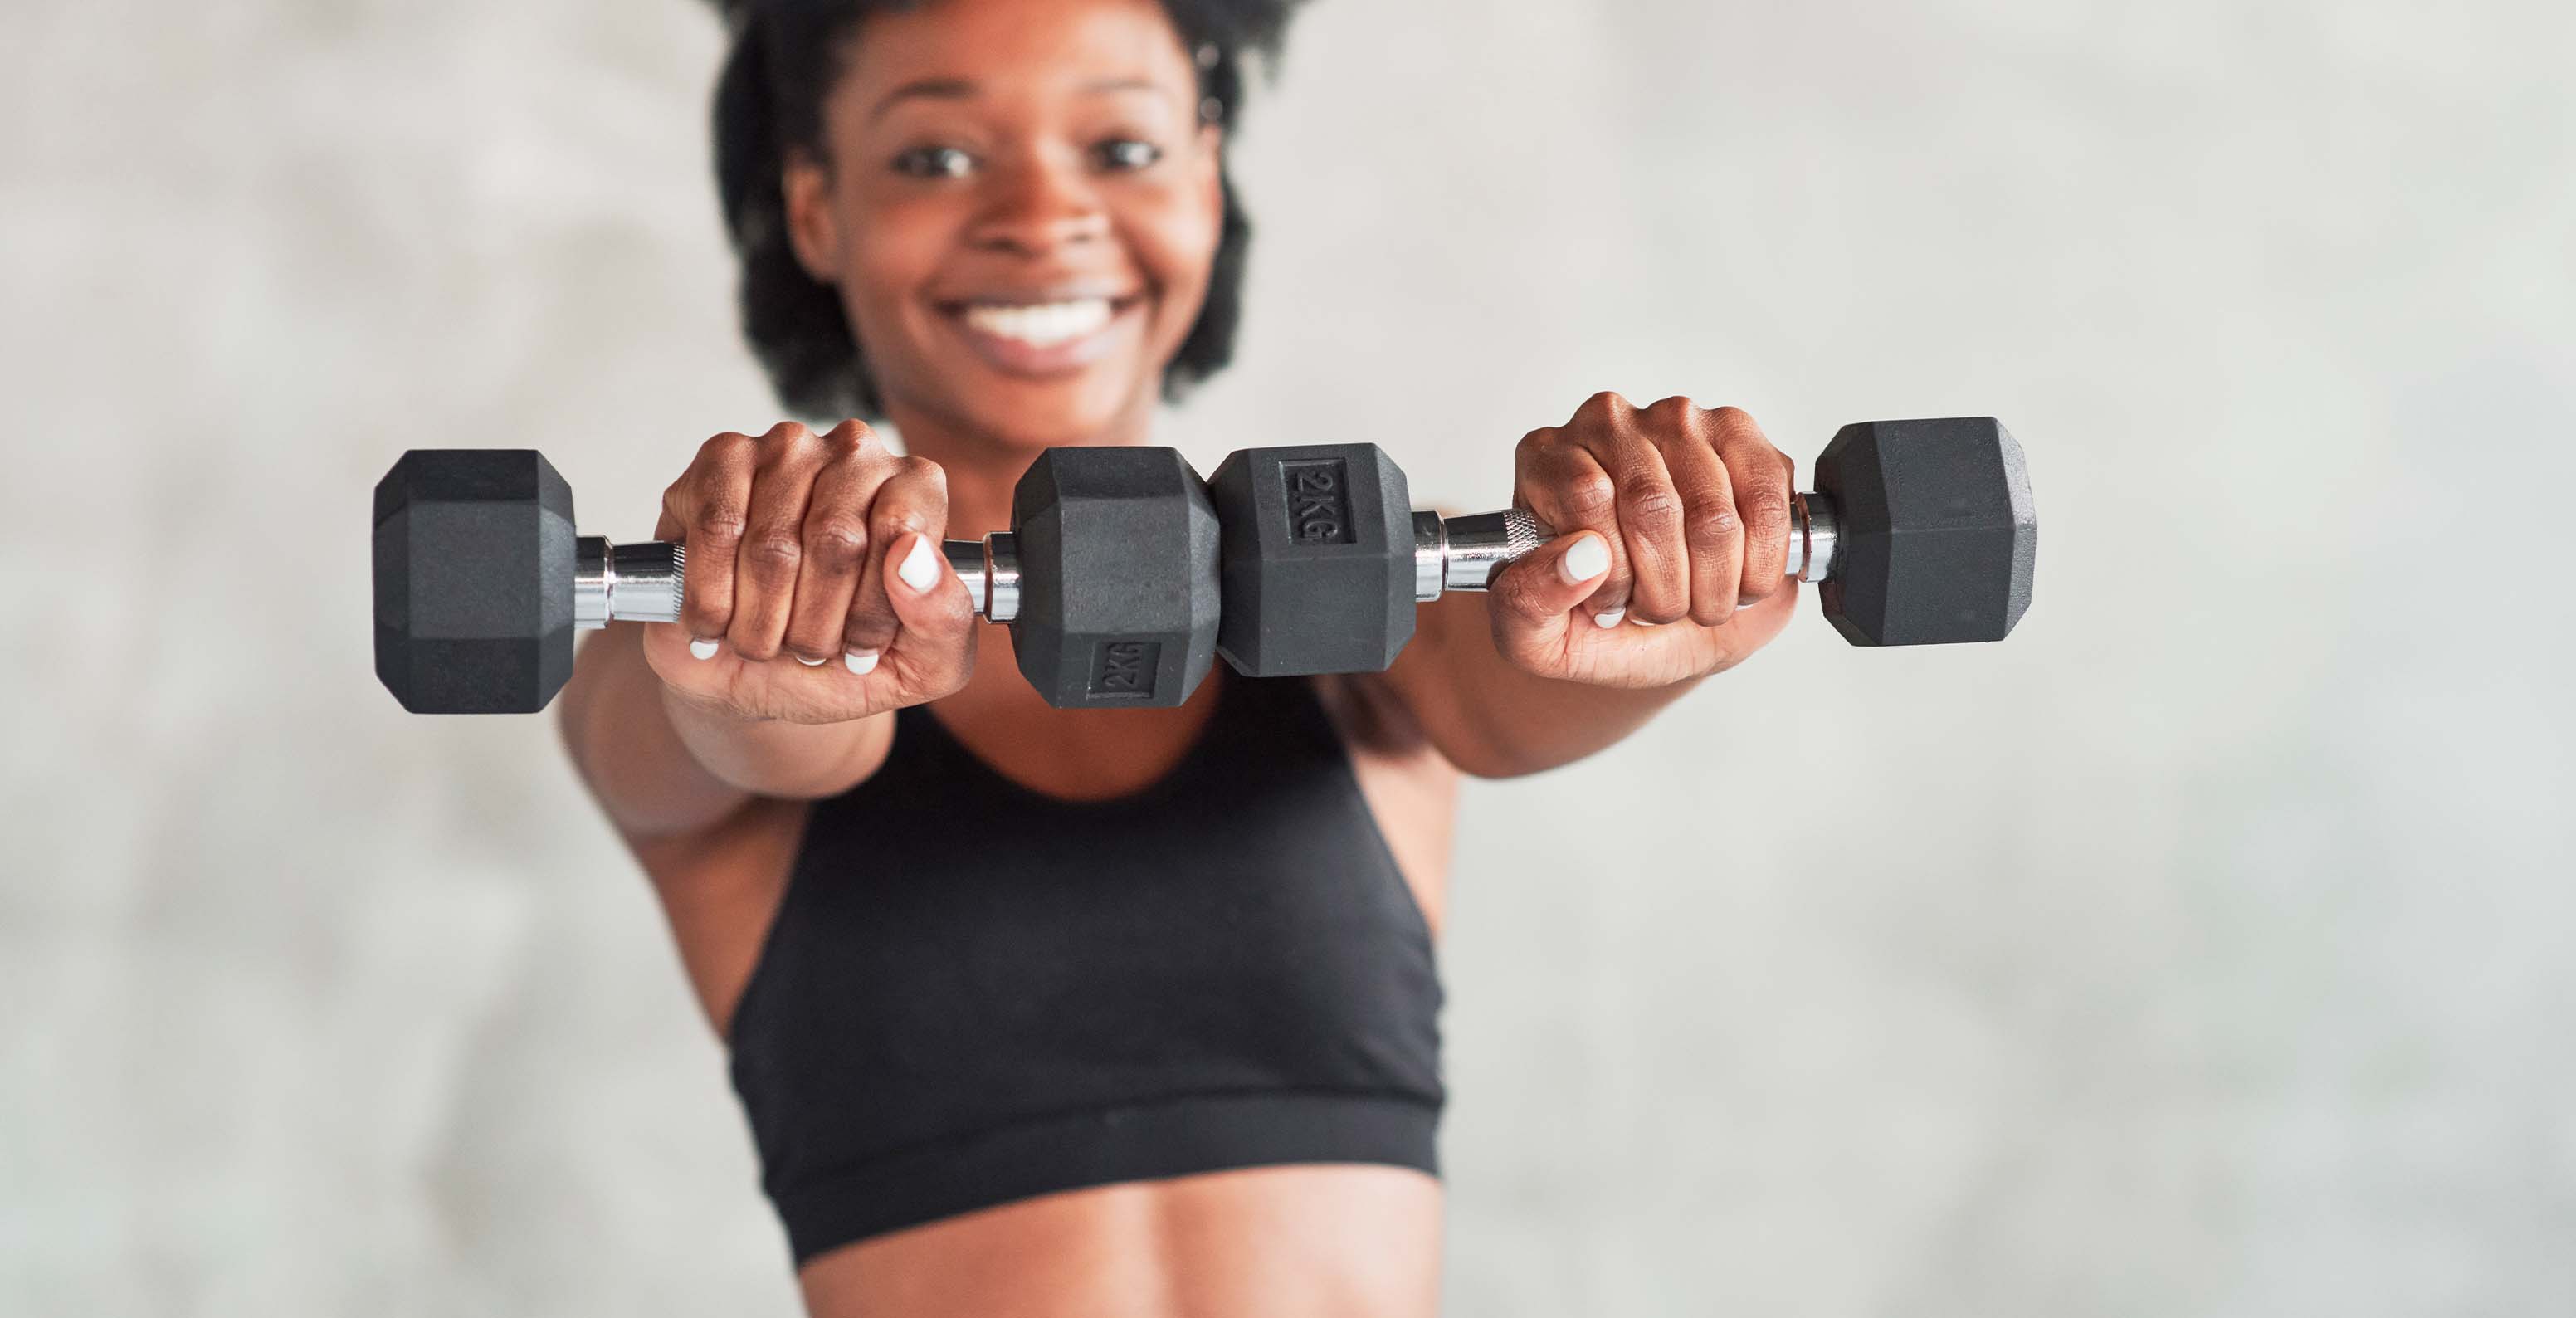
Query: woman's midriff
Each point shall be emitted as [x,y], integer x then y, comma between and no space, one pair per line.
[1344,1240]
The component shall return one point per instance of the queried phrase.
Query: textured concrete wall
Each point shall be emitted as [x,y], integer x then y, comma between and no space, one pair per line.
[2201,950]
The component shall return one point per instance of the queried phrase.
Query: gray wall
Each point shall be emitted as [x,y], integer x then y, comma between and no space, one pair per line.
[2201,950]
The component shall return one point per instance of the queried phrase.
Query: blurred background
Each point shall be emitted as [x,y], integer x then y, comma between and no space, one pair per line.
[2203,949]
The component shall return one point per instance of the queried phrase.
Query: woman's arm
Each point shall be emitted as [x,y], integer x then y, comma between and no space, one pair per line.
[1669,566]
[663,767]
[1495,719]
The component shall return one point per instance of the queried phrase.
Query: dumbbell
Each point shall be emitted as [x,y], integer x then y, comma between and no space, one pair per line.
[1919,532]
[1108,579]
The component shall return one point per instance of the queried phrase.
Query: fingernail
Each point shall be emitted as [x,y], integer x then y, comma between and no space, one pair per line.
[862,662]
[702,649]
[920,568]
[1589,558]
[809,663]
[1608,618]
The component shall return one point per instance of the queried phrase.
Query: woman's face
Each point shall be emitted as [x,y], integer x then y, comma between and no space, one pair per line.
[1020,209]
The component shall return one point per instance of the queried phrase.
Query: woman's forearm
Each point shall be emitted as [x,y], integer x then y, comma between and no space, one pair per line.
[1494,720]
[661,767]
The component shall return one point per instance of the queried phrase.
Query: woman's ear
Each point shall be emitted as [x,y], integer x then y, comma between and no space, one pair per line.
[813,231]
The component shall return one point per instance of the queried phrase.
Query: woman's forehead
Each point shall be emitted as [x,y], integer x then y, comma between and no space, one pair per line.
[963,49]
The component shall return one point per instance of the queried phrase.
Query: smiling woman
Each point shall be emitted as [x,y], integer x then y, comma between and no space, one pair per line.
[1166,1039]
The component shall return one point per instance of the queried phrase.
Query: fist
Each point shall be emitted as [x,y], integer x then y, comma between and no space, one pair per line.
[1671,550]
[816,591]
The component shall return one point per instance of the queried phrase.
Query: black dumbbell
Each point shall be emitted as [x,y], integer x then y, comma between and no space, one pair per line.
[1921,532]
[1108,579]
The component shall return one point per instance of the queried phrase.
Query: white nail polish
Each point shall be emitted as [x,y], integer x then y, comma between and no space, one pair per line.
[1589,558]
[920,568]
[702,649]
[861,662]
[1609,618]
[809,663]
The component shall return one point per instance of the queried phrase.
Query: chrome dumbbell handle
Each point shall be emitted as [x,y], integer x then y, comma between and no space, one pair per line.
[1464,553]
[643,582]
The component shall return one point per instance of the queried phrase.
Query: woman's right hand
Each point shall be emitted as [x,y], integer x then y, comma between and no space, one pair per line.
[816,590]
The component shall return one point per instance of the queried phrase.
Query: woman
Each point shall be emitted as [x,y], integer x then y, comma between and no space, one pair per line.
[1044,1011]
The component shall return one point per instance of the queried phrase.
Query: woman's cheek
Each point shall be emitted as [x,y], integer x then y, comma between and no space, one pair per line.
[1183,243]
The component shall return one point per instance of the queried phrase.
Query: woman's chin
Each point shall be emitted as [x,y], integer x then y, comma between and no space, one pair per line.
[1089,408]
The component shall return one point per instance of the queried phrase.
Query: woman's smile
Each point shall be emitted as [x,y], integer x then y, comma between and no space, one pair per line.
[1044,334]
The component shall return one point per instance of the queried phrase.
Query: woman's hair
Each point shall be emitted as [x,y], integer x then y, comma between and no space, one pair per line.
[787,54]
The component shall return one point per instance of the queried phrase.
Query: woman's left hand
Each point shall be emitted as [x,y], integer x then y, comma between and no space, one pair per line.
[1671,552]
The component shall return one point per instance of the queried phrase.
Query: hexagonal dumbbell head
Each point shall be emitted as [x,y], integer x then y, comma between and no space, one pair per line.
[473,567]
[1118,577]
[1938,532]
[1318,559]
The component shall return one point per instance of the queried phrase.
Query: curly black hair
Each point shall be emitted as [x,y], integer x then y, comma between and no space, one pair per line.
[786,56]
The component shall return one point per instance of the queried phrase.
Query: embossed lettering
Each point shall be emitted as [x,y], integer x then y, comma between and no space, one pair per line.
[1319,505]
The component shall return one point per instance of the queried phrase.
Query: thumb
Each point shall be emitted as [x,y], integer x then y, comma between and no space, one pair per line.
[934,644]
[1535,592]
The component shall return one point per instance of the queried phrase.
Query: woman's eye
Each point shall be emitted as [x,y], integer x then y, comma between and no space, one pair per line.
[934,162]
[1129,154]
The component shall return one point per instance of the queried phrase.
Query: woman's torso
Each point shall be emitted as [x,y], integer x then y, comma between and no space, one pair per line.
[1341,1238]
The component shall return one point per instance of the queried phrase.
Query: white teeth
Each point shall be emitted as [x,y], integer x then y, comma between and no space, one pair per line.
[1041,326]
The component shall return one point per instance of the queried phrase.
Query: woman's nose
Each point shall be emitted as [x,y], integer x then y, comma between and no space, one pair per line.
[1038,206]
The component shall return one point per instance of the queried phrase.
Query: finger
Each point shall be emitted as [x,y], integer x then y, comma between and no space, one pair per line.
[1531,596]
[1763,478]
[1650,508]
[836,543]
[1564,487]
[933,650]
[913,502]
[773,541]
[1712,534]
[708,509]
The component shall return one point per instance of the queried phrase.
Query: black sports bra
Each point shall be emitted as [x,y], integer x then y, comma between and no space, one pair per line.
[974,993]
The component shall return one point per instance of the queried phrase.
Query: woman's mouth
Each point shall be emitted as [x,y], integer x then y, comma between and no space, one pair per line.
[1044,338]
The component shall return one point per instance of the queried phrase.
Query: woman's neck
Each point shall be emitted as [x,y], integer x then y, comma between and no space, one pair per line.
[983,467]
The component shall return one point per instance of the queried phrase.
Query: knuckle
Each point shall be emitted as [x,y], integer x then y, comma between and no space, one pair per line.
[773,551]
[728,445]
[849,438]
[719,524]
[1656,505]
[924,470]
[837,542]
[786,443]
[1766,512]
[1711,520]
[1733,418]
[1677,405]
[1591,496]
